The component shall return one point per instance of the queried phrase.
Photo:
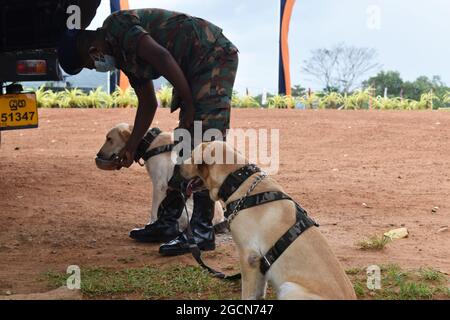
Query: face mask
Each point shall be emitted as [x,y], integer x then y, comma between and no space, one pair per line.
[105,64]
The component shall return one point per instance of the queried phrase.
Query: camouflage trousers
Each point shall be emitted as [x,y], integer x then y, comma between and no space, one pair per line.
[212,86]
[212,89]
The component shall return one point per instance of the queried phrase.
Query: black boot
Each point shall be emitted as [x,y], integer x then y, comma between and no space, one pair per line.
[166,227]
[201,225]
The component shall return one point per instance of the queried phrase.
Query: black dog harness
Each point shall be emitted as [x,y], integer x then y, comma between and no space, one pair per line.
[142,153]
[230,185]
[302,223]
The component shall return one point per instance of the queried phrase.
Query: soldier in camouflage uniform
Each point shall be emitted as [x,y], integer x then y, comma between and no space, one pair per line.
[199,61]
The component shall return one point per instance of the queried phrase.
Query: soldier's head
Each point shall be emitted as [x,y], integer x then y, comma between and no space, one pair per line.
[80,49]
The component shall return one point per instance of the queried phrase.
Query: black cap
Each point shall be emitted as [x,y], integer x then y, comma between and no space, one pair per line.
[68,56]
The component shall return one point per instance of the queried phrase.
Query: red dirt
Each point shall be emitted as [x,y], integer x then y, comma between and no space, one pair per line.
[57,209]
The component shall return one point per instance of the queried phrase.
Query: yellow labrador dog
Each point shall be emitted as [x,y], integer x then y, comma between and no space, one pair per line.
[159,168]
[307,269]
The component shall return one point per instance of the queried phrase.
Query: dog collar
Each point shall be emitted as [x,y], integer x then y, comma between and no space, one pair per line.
[235,180]
[142,152]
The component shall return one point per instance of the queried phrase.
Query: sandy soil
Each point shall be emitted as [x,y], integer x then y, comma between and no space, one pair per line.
[57,209]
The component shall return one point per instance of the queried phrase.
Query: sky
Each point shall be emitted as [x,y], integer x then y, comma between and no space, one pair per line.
[410,36]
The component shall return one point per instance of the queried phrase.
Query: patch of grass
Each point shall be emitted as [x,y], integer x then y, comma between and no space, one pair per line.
[54,279]
[186,282]
[359,287]
[400,284]
[373,243]
[429,274]
[175,282]
[393,274]
[415,291]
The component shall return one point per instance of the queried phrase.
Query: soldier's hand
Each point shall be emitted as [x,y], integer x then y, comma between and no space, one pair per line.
[126,158]
[186,117]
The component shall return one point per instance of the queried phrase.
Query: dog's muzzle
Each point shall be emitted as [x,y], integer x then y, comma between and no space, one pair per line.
[108,164]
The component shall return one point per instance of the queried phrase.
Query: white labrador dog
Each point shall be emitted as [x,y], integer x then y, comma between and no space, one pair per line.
[159,168]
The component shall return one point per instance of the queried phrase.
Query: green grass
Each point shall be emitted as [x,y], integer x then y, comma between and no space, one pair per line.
[359,289]
[374,243]
[428,274]
[176,282]
[399,284]
[192,283]
[416,291]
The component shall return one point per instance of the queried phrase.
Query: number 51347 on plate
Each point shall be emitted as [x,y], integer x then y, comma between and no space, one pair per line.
[18,111]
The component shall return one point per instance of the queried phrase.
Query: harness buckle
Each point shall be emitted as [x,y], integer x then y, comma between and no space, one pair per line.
[267,261]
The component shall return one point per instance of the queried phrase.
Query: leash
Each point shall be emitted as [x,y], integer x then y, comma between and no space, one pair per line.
[197,254]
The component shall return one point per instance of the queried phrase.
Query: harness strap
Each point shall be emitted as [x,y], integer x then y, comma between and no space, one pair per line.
[248,202]
[146,142]
[255,200]
[157,151]
[235,180]
[302,224]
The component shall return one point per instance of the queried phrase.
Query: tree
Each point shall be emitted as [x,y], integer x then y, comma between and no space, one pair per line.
[423,84]
[298,91]
[385,79]
[341,66]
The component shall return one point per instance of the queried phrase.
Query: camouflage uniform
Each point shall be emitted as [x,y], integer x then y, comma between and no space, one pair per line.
[207,58]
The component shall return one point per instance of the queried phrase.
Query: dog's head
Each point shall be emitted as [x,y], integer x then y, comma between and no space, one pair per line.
[212,162]
[116,140]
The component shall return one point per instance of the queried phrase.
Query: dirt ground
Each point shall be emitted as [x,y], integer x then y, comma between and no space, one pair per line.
[357,173]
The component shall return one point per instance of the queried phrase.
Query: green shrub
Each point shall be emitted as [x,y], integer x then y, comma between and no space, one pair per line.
[356,101]
[281,102]
[427,101]
[98,98]
[244,102]
[276,102]
[310,100]
[332,100]
[124,98]
[46,98]
[164,96]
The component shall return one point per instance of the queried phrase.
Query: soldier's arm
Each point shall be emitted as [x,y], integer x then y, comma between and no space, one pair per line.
[144,117]
[163,62]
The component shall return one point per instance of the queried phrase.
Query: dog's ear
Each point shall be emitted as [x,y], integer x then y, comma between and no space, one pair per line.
[125,132]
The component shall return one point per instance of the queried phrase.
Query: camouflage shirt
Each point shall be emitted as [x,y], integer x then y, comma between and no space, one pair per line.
[187,38]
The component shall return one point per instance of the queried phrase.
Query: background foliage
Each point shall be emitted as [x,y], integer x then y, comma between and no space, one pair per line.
[422,94]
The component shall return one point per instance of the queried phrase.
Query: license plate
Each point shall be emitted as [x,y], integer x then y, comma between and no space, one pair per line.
[18,111]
